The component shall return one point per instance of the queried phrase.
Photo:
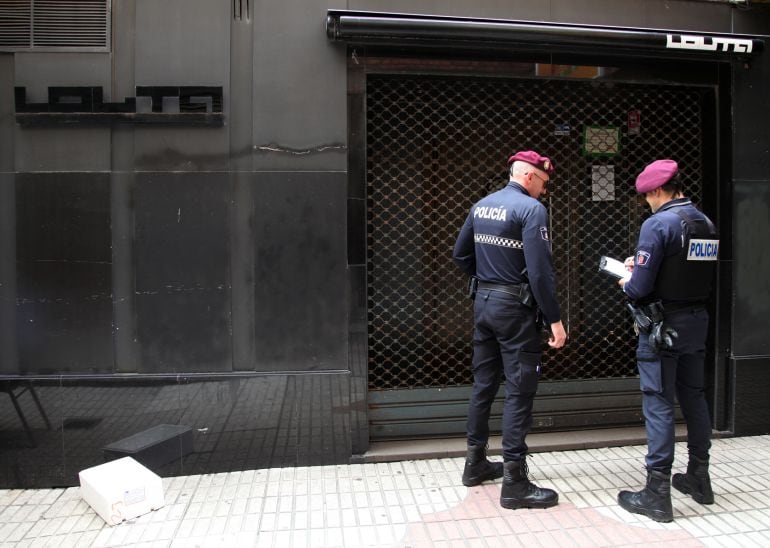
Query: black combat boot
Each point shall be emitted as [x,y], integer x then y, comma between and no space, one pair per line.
[654,501]
[696,481]
[519,492]
[478,468]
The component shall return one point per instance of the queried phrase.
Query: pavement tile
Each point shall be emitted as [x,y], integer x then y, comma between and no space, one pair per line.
[414,503]
[7,514]
[14,532]
[754,539]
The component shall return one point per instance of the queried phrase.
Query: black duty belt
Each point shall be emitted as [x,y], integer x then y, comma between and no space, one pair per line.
[676,307]
[517,290]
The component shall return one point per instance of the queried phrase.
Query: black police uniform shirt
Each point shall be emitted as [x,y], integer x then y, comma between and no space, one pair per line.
[504,233]
[661,243]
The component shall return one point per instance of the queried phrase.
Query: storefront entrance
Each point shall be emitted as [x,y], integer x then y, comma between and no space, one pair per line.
[436,143]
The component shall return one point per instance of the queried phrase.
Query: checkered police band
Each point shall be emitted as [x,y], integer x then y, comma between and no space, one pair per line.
[497,240]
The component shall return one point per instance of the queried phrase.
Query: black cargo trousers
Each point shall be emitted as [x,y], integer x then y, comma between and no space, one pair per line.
[675,372]
[505,341]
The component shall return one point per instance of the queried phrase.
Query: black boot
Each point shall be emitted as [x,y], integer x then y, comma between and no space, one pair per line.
[654,501]
[478,468]
[696,481]
[519,492]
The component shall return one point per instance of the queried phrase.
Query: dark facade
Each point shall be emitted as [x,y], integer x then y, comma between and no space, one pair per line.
[205,245]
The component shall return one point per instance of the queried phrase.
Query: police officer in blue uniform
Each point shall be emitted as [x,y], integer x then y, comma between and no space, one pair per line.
[504,246]
[670,282]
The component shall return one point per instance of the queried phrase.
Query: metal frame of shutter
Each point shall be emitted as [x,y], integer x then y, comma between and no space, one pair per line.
[460,33]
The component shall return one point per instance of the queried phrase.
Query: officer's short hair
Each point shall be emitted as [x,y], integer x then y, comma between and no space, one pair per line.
[519,166]
[673,185]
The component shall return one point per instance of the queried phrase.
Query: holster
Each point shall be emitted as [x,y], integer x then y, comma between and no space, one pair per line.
[473,286]
[654,311]
[649,319]
[642,322]
[539,320]
[528,299]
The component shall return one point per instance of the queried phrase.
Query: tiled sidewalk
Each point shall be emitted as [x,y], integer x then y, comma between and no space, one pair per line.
[414,504]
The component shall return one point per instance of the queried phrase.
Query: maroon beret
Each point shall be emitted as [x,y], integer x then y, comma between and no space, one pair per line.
[533,158]
[655,175]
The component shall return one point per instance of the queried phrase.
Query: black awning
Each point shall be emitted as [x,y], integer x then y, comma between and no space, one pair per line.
[433,31]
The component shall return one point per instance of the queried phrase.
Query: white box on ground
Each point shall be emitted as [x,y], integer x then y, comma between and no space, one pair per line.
[121,489]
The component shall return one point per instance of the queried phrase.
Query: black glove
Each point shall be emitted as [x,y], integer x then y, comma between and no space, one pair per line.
[662,336]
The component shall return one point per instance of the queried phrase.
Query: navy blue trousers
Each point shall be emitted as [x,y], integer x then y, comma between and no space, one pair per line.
[678,372]
[505,340]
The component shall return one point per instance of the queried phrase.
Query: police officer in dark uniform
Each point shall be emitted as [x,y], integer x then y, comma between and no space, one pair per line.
[670,281]
[504,246]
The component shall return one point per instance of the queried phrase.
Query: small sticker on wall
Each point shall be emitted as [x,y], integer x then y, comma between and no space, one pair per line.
[634,122]
[602,183]
[561,129]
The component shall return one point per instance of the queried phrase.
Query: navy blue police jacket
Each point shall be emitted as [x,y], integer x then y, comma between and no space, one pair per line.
[504,233]
[664,267]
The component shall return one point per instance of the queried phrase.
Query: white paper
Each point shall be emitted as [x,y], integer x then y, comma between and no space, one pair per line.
[602,183]
[613,267]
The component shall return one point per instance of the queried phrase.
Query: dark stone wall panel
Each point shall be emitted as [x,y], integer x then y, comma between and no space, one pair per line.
[357,358]
[7,110]
[100,413]
[63,217]
[752,407]
[269,421]
[751,88]
[9,362]
[182,265]
[300,278]
[63,273]
[184,332]
[230,422]
[751,330]
[31,435]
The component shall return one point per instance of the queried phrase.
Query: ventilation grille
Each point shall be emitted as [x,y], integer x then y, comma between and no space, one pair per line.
[54,24]
[15,23]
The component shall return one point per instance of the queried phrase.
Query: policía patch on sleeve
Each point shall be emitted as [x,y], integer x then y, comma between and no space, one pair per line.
[544,233]
[642,258]
[702,250]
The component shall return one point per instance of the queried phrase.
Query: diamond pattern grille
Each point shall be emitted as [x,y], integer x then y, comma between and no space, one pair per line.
[435,145]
